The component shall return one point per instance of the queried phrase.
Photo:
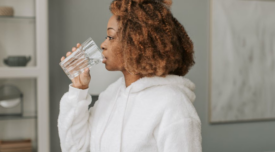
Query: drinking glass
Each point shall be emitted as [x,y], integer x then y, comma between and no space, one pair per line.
[86,56]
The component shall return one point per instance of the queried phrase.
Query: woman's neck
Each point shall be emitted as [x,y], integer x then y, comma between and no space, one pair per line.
[130,78]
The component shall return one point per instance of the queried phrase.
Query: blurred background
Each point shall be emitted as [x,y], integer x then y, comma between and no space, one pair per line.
[233,74]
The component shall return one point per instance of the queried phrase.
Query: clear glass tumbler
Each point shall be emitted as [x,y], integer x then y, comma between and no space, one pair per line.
[87,55]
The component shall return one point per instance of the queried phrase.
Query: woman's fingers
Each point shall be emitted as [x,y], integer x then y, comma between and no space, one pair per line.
[68,53]
[87,72]
[74,49]
[62,58]
[78,45]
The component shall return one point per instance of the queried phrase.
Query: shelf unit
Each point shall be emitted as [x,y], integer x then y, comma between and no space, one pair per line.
[38,71]
[19,72]
[16,17]
[25,116]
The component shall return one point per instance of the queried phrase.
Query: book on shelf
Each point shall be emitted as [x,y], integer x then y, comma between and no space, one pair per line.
[16,146]
[17,150]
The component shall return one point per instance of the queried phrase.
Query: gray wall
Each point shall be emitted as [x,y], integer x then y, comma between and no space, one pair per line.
[71,21]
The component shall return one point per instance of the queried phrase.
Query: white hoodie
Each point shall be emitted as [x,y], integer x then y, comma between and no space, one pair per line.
[153,114]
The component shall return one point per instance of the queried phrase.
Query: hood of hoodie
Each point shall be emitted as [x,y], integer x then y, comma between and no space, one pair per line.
[183,84]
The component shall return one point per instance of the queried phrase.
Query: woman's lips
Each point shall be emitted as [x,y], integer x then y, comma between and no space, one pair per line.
[104,60]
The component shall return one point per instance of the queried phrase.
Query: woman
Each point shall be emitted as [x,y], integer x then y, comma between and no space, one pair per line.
[150,108]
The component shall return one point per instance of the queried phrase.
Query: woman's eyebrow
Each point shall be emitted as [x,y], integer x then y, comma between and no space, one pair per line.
[110,28]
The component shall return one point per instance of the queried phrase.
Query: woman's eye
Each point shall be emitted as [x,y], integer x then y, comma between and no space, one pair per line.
[109,37]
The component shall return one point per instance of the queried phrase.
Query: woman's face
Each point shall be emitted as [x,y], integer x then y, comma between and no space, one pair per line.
[112,48]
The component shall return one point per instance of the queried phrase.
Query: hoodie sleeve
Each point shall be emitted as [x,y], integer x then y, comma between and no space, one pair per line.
[181,136]
[74,120]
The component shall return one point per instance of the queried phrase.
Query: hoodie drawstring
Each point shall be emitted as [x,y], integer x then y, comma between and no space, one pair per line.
[108,119]
[121,131]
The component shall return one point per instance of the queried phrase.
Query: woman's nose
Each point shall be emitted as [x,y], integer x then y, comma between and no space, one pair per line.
[103,46]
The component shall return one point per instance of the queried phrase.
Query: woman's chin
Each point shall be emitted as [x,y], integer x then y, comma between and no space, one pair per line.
[108,67]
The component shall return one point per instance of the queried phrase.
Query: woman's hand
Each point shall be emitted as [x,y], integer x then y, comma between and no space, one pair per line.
[82,81]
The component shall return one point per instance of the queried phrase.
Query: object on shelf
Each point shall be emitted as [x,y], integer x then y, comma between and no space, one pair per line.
[6,11]
[17,60]
[16,146]
[11,101]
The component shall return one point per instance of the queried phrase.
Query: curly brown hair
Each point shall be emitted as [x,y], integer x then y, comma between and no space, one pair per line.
[154,42]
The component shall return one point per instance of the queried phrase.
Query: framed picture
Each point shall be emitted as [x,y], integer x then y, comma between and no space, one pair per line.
[242,61]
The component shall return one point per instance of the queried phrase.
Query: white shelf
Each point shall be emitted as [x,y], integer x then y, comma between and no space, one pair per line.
[24,116]
[17,17]
[19,72]
[29,29]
